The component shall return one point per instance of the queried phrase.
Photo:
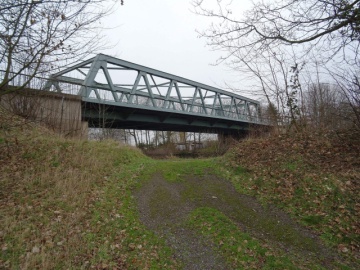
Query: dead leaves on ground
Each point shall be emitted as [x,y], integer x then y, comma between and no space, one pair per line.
[316,178]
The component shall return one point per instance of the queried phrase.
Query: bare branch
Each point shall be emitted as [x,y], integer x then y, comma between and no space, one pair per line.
[37,36]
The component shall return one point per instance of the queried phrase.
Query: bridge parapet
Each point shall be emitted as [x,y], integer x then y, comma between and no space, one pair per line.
[115,82]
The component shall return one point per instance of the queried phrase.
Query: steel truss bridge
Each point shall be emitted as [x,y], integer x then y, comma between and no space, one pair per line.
[119,94]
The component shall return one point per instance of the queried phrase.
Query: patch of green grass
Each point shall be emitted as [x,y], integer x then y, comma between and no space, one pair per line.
[203,189]
[239,248]
[312,219]
[238,170]
[291,166]
[299,192]
[28,155]
[117,228]
[176,170]
[316,198]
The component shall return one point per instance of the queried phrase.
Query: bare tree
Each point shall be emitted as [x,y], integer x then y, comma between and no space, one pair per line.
[274,75]
[320,102]
[330,25]
[348,81]
[39,35]
[270,43]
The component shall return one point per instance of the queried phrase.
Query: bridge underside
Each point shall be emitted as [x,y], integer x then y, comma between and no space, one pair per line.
[134,118]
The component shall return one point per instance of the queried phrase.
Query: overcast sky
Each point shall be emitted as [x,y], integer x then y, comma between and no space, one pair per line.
[161,34]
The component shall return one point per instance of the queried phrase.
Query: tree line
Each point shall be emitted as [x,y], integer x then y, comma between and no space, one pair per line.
[300,56]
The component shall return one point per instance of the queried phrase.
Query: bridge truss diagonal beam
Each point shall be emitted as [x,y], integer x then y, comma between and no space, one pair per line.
[107,80]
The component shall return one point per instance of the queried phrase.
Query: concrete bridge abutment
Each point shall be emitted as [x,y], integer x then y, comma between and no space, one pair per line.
[59,112]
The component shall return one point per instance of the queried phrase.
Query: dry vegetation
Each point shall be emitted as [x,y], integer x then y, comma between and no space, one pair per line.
[68,203]
[58,204]
[314,177]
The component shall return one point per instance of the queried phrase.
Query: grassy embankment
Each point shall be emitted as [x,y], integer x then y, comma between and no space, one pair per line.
[314,178]
[69,203]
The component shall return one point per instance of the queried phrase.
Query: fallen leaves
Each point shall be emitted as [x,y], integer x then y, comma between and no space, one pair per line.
[35,249]
[343,248]
[131,246]
[309,176]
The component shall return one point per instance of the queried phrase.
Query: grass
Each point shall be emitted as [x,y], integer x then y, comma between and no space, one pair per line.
[178,169]
[315,201]
[196,192]
[320,196]
[241,250]
[68,204]
[193,181]
[117,232]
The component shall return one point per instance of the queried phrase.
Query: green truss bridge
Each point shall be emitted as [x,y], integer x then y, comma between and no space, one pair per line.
[131,96]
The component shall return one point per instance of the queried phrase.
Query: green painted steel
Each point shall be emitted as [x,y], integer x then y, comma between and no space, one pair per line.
[144,93]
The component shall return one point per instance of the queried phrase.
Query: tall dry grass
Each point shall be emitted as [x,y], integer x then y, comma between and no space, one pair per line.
[48,188]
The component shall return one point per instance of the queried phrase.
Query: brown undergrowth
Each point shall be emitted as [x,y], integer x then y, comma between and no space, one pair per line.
[64,203]
[314,177]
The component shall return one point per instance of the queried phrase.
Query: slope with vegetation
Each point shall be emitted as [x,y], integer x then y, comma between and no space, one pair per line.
[77,204]
[68,204]
[314,177]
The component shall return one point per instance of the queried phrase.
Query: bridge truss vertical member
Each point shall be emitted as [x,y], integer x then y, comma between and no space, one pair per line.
[115,82]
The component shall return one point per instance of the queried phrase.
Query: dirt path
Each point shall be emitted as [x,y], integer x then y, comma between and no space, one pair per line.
[162,209]
[165,206]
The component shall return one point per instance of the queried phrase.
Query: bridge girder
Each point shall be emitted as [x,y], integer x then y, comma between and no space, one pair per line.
[125,86]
